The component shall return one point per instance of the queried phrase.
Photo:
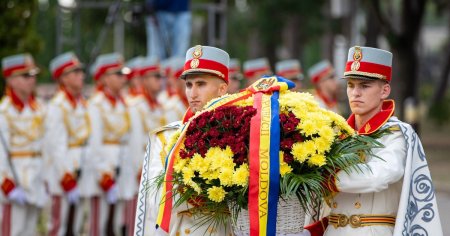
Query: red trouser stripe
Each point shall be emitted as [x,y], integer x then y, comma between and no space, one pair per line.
[55,215]
[95,203]
[6,224]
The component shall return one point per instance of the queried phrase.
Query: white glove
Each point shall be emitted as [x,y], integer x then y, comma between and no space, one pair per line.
[18,196]
[111,195]
[73,196]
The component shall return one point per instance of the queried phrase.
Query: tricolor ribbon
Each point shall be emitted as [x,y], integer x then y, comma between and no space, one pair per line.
[264,163]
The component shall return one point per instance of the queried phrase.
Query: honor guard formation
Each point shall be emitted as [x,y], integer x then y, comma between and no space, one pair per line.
[88,165]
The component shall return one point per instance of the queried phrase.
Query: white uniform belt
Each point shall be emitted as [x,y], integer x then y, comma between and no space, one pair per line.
[361,220]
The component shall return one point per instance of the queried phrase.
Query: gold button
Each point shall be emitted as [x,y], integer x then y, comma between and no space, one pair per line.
[178,233]
[334,204]
[187,231]
[357,205]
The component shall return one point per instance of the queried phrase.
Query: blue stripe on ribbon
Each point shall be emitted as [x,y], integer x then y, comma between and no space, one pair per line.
[274,164]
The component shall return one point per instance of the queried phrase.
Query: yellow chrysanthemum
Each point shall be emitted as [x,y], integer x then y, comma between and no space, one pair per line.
[322,145]
[226,176]
[308,127]
[301,151]
[317,160]
[216,194]
[179,164]
[220,158]
[327,133]
[188,174]
[172,141]
[197,163]
[245,103]
[240,176]
[284,167]
[194,186]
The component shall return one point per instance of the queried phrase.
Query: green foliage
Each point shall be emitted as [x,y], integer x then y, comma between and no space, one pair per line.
[440,112]
[18,32]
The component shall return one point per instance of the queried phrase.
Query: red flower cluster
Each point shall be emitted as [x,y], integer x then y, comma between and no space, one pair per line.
[224,126]
[288,135]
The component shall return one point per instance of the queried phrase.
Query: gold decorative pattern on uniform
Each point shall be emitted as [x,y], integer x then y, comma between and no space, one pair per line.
[77,135]
[114,128]
[357,56]
[357,205]
[197,53]
[367,128]
[27,129]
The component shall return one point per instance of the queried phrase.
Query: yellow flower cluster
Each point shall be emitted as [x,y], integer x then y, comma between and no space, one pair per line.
[216,194]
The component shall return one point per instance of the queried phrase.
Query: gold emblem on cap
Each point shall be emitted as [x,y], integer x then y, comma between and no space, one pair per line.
[357,56]
[197,53]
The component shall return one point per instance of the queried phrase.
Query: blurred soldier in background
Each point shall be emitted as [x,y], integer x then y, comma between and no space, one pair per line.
[292,70]
[21,132]
[107,145]
[235,75]
[146,115]
[327,88]
[67,130]
[177,104]
[254,69]
[134,78]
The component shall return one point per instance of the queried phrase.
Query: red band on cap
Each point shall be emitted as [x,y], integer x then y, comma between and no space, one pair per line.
[9,71]
[205,64]
[251,73]
[60,70]
[373,68]
[233,70]
[317,77]
[289,72]
[104,68]
[149,69]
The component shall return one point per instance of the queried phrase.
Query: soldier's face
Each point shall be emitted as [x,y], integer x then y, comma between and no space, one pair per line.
[73,79]
[366,96]
[115,81]
[152,82]
[23,84]
[201,88]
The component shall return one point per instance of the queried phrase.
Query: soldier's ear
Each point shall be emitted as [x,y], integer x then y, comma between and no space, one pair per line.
[223,88]
[385,90]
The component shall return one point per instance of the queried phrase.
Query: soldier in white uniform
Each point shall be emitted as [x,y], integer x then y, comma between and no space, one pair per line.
[107,146]
[134,78]
[254,69]
[176,103]
[67,129]
[146,115]
[326,86]
[21,164]
[235,76]
[201,87]
[291,69]
[395,196]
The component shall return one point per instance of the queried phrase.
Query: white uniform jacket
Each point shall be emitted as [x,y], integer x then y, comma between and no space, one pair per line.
[67,130]
[383,189]
[22,132]
[107,144]
[144,119]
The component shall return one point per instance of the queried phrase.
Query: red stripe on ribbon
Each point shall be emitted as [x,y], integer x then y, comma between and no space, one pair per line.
[370,67]
[253,192]
[209,65]
[60,70]
[9,71]
[250,73]
[102,70]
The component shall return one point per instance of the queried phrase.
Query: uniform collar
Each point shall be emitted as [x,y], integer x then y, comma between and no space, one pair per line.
[112,99]
[377,121]
[189,113]
[152,102]
[18,103]
[73,100]
[330,103]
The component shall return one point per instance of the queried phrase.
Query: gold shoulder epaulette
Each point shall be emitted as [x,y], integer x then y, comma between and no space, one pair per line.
[4,103]
[394,128]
